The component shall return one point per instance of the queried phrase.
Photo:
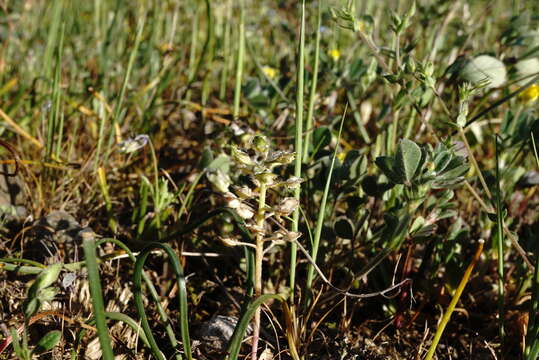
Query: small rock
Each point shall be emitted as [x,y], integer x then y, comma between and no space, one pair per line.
[12,197]
[216,333]
[57,237]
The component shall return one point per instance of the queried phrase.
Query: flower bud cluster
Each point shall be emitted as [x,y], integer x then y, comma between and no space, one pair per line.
[258,160]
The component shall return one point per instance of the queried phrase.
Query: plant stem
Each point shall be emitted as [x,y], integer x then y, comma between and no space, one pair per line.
[500,241]
[192,50]
[259,255]
[298,147]
[239,63]
[115,120]
[209,53]
[474,162]
[322,213]
[226,51]
[314,80]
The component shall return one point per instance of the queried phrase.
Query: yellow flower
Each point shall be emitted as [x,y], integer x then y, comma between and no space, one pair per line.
[530,94]
[334,54]
[341,156]
[269,72]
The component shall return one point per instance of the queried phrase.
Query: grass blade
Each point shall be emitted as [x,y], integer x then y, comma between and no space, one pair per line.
[151,289]
[239,61]
[322,212]
[96,293]
[314,80]
[239,332]
[298,146]
[182,291]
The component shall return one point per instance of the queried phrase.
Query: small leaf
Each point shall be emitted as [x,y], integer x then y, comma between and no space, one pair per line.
[447,184]
[447,214]
[45,279]
[387,165]
[418,223]
[453,172]
[425,231]
[355,165]
[408,159]
[343,228]
[441,160]
[526,68]
[485,68]
[48,341]
[372,188]
[205,159]
[31,306]
[221,162]
[17,344]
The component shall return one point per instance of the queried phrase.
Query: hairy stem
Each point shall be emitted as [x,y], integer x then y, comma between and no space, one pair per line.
[259,255]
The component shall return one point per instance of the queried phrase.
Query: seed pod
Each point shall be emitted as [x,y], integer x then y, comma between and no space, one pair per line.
[286,206]
[241,157]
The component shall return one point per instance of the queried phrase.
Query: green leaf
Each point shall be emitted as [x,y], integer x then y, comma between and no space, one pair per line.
[483,69]
[408,160]
[387,165]
[19,350]
[441,160]
[206,158]
[453,173]
[45,279]
[239,331]
[48,341]
[344,228]
[221,162]
[526,68]
[355,165]
[31,306]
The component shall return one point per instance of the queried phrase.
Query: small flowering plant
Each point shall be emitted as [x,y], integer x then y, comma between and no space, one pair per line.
[133,144]
[258,162]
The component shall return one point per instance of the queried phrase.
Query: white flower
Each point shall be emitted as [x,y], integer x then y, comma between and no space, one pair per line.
[131,145]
